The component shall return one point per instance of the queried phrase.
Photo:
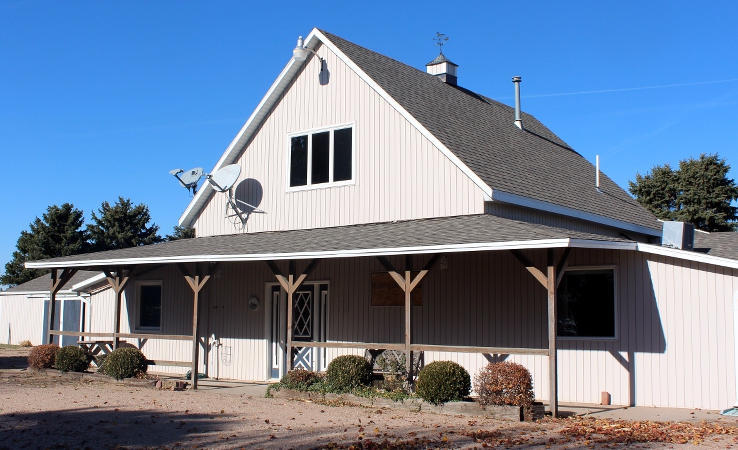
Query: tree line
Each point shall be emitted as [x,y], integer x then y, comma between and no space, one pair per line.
[61,232]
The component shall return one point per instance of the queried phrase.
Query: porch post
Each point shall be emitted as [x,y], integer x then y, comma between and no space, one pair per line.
[290,291]
[196,284]
[57,282]
[552,325]
[118,283]
[408,328]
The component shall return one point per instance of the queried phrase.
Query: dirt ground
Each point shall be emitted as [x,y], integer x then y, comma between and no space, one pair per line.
[41,412]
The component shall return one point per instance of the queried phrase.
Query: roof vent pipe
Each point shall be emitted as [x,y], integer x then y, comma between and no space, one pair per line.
[518,120]
[597,174]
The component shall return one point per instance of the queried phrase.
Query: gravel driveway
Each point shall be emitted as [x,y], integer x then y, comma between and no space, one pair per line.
[41,412]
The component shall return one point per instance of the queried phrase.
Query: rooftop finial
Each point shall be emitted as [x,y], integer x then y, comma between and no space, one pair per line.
[440,40]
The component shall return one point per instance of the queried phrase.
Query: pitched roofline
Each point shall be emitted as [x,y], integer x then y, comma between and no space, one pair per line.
[88,282]
[274,93]
[354,253]
[527,202]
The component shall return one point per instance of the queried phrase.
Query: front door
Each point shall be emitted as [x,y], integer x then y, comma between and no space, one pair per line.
[310,306]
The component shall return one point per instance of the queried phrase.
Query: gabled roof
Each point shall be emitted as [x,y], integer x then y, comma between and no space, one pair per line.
[531,167]
[478,232]
[79,280]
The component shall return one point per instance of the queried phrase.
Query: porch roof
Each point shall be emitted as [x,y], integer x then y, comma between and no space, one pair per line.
[436,235]
[80,280]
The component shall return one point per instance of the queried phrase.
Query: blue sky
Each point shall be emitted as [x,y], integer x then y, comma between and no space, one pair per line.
[102,99]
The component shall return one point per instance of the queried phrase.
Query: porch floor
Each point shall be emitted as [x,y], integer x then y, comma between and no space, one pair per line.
[255,389]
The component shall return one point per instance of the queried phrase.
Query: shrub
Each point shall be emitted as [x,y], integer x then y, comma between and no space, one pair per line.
[125,362]
[443,381]
[348,372]
[71,359]
[43,356]
[300,379]
[505,383]
[25,344]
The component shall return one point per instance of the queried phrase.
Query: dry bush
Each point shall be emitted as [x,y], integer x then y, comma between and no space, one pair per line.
[504,383]
[43,356]
[25,344]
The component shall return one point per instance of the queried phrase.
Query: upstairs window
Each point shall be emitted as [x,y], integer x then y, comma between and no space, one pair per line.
[322,158]
[586,303]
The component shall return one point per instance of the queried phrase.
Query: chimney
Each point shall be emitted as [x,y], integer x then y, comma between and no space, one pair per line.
[518,120]
[443,68]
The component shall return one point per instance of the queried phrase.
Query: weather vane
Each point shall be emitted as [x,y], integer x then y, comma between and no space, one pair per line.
[440,40]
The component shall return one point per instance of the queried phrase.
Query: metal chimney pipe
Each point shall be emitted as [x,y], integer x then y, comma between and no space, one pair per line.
[597,175]
[518,120]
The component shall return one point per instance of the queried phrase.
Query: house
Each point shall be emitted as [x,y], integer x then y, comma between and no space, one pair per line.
[23,309]
[383,207]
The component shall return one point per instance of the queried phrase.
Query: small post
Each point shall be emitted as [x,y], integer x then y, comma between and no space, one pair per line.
[51,307]
[408,312]
[552,363]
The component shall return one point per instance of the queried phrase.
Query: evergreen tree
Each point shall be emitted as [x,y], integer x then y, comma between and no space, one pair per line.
[121,226]
[181,233]
[699,192]
[57,233]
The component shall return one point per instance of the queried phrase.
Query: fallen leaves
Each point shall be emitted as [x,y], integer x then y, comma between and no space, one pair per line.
[607,431]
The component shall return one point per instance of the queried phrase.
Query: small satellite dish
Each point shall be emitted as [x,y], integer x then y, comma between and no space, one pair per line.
[189,179]
[224,179]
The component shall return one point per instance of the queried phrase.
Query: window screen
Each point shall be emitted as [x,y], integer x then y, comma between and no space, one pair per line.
[149,303]
[586,304]
[299,161]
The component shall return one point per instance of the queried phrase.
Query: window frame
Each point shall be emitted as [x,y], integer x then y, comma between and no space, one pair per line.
[615,302]
[331,129]
[139,284]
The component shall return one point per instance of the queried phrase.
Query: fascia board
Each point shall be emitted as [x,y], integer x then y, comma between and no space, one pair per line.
[243,136]
[688,255]
[62,292]
[527,202]
[89,282]
[450,248]
[404,113]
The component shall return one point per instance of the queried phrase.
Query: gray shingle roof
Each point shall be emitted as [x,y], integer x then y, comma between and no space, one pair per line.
[472,229]
[723,245]
[43,283]
[534,163]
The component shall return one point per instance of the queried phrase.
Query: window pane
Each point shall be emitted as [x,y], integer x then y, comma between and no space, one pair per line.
[299,161]
[321,158]
[586,304]
[150,306]
[342,154]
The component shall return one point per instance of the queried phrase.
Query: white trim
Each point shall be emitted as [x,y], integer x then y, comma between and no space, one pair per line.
[444,248]
[615,338]
[137,303]
[88,282]
[687,255]
[274,93]
[506,197]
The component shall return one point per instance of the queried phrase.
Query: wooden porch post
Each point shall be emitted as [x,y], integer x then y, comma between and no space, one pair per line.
[550,281]
[118,283]
[290,285]
[57,282]
[407,284]
[196,284]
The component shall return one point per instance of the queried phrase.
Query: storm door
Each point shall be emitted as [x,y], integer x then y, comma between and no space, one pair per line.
[309,303]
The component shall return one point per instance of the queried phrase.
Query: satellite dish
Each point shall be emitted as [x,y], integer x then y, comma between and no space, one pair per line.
[189,179]
[224,179]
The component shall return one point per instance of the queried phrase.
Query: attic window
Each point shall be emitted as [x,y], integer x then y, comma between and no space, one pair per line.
[322,158]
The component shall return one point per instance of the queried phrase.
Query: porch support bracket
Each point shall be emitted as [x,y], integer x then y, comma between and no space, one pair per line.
[290,283]
[57,282]
[407,283]
[554,274]
[196,283]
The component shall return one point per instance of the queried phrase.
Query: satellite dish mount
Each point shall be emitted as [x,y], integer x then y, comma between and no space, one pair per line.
[223,181]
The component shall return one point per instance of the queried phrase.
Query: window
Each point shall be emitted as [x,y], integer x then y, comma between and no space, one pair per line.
[149,305]
[321,158]
[586,303]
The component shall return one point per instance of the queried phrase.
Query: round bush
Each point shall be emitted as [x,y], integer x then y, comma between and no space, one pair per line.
[505,383]
[43,356]
[125,362]
[71,359]
[348,372]
[443,381]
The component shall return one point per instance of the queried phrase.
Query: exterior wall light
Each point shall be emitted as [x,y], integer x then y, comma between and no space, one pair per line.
[300,53]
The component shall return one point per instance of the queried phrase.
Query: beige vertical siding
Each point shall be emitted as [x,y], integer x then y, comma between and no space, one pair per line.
[21,319]
[399,173]
[534,216]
